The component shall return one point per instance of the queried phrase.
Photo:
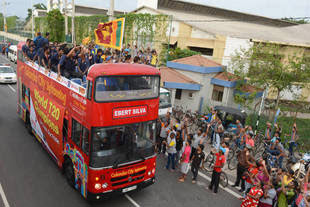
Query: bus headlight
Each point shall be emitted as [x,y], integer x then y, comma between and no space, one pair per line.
[104,185]
[153,171]
[97,186]
[149,173]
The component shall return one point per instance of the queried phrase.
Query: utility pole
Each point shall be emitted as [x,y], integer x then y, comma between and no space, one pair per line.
[260,109]
[66,17]
[5,28]
[32,21]
[73,14]
[111,10]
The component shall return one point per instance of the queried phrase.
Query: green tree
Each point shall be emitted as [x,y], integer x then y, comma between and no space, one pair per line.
[294,20]
[36,6]
[243,97]
[10,21]
[55,22]
[180,53]
[265,66]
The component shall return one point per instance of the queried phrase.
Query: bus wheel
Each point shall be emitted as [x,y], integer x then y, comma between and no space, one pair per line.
[28,124]
[69,172]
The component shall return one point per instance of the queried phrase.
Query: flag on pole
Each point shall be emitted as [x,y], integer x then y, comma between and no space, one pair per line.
[110,34]
[276,116]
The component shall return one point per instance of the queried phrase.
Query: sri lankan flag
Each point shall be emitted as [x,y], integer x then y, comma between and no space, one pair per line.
[110,34]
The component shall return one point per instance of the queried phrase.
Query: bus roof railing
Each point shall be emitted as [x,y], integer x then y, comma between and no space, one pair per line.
[79,89]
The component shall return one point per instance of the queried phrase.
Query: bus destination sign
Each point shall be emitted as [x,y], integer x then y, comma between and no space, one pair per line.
[127,112]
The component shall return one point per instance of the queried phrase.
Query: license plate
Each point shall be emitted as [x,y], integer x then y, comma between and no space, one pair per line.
[125,190]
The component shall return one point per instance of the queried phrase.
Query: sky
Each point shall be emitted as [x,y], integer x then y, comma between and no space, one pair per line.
[268,8]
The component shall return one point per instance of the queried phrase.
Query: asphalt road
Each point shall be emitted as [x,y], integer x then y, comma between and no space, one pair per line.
[29,177]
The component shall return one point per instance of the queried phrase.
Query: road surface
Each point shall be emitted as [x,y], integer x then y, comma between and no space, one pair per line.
[30,178]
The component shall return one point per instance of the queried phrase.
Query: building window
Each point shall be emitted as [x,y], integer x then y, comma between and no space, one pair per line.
[178,94]
[190,95]
[217,94]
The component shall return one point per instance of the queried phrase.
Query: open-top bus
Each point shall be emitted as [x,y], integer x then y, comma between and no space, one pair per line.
[101,133]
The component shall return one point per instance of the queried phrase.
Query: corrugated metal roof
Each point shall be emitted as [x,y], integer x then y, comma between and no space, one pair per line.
[215,25]
[197,8]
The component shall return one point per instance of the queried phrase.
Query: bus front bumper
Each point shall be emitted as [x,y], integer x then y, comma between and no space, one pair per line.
[99,196]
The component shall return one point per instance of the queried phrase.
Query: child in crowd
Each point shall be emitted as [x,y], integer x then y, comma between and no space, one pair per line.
[197,159]
[185,160]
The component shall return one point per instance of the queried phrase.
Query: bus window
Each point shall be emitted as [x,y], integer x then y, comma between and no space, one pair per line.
[115,88]
[122,144]
[65,130]
[89,89]
[80,136]
[76,132]
[85,140]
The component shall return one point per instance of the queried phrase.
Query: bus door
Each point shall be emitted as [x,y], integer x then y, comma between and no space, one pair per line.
[78,149]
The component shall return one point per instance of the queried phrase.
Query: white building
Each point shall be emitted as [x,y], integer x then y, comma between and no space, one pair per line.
[196,82]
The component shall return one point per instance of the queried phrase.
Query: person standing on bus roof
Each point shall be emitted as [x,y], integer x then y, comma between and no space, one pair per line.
[54,58]
[25,49]
[97,57]
[46,39]
[32,53]
[83,64]
[61,65]
[67,64]
[37,38]
[45,58]
[38,41]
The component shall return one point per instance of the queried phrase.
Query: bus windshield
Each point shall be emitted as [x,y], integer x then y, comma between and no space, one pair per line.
[116,88]
[164,100]
[112,146]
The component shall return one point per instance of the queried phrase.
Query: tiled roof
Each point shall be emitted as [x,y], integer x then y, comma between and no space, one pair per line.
[197,60]
[251,89]
[226,76]
[171,75]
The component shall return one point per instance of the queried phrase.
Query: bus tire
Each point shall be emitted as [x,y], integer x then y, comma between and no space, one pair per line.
[28,124]
[69,172]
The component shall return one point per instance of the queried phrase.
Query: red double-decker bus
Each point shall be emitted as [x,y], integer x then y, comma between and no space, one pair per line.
[101,133]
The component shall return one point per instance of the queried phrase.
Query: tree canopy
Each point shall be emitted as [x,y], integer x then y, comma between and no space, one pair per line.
[180,53]
[55,22]
[266,66]
[294,20]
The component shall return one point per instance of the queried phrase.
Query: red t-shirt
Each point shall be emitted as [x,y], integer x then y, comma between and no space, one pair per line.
[252,171]
[220,160]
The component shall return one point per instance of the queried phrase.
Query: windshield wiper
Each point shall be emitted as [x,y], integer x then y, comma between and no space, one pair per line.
[116,163]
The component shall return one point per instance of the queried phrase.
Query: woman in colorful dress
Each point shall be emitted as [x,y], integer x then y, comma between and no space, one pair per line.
[252,198]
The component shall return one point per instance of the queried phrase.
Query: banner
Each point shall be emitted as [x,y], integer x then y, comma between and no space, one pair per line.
[110,34]
[46,118]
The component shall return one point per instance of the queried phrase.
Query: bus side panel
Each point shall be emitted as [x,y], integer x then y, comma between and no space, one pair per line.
[46,113]
[46,117]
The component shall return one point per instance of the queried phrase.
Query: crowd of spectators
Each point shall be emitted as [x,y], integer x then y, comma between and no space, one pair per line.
[74,62]
[263,184]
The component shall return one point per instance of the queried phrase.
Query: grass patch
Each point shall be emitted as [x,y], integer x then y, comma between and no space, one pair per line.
[286,124]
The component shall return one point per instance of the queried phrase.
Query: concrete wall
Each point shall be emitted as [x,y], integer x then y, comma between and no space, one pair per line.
[232,45]
[13,36]
[187,36]
[205,92]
